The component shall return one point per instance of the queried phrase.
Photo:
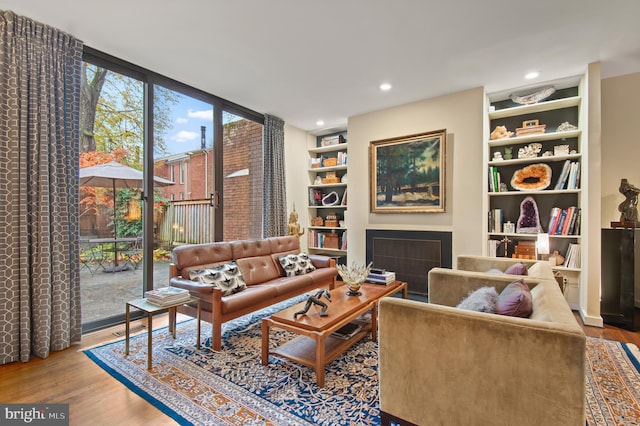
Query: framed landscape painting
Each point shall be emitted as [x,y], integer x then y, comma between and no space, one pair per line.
[407,173]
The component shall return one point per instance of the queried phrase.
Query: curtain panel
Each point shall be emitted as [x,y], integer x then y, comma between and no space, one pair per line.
[40,75]
[275,198]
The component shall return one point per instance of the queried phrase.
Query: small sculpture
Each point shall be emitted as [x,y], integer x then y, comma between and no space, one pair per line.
[294,226]
[500,132]
[316,299]
[565,127]
[530,151]
[629,207]
[497,156]
[508,153]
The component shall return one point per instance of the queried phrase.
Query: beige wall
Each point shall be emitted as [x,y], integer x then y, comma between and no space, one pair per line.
[620,141]
[461,115]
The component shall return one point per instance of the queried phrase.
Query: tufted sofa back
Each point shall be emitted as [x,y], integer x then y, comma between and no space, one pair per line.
[257,259]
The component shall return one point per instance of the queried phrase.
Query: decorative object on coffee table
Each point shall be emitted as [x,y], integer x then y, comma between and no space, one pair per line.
[529,220]
[353,276]
[316,299]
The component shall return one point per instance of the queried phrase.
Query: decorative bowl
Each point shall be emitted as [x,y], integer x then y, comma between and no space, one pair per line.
[353,277]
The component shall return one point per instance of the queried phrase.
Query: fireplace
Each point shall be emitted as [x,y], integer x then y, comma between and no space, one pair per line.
[410,254]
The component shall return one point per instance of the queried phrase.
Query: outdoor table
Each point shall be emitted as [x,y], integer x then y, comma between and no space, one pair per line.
[119,245]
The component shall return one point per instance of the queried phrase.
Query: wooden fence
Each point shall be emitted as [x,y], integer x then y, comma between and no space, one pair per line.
[186,222]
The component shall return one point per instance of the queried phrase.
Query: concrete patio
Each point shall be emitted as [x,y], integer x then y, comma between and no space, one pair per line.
[104,294]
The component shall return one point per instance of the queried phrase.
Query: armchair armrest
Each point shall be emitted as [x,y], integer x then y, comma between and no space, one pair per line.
[484,263]
[320,261]
[193,286]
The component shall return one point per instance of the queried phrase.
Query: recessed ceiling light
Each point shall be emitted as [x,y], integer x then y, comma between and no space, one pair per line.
[319,123]
[531,75]
[385,87]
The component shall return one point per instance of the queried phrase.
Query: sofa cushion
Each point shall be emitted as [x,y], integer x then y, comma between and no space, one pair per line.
[258,269]
[517,269]
[480,300]
[296,264]
[226,277]
[515,300]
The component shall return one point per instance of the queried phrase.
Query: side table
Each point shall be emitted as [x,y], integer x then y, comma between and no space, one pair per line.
[150,309]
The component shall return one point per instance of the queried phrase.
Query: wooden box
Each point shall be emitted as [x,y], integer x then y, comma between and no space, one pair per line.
[329,162]
[331,241]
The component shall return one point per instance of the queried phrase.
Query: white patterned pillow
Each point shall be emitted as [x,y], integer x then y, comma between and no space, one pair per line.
[296,264]
[227,278]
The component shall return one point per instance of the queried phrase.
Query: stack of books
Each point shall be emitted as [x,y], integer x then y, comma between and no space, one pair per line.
[380,276]
[347,331]
[167,296]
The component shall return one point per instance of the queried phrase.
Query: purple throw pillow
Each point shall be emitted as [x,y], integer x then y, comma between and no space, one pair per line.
[517,269]
[515,300]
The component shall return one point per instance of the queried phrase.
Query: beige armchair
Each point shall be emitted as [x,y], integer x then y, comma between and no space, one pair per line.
[440,365]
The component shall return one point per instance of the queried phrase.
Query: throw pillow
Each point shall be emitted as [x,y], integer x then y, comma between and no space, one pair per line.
[480,300]
[517,269]
[296,264]
[515,300]
[227,278]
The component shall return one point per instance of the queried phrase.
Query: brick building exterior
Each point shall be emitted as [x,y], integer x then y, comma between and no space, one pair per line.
[193,174]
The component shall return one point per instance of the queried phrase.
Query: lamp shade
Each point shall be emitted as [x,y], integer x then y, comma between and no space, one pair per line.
[542,244]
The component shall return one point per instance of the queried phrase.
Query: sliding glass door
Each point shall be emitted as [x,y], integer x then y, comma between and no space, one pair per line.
[111,178]
[159,161]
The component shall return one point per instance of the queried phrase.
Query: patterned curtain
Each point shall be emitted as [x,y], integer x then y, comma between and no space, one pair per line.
[39,150]
[274,210]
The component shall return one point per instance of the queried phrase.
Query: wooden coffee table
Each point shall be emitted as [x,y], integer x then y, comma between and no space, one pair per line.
[315,347]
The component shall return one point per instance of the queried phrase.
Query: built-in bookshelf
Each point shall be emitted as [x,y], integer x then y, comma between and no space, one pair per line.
[538,156]
[327,195]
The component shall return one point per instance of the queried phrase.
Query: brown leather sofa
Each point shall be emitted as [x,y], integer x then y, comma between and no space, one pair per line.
[258,262]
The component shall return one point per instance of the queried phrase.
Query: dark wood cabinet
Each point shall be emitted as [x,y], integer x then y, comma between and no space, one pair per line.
[620,283]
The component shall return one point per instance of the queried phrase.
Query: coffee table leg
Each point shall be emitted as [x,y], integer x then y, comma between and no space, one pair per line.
[126,330]
[198,319]
[265,341]
[374,322]
[320,354]
[149,340]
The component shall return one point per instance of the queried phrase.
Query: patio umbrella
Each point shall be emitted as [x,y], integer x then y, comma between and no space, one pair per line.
[115,175]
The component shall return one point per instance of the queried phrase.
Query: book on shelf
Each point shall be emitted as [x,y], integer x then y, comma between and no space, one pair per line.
[572,258]
[495,220]
[167,296]
[492,248]
[494,179]
[564,174]
[564,221]
[347,331]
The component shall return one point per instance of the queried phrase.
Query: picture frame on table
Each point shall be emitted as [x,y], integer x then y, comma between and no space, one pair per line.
[407,173]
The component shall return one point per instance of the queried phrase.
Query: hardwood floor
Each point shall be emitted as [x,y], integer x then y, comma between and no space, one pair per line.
[611,333]
[70,377]
[95,398]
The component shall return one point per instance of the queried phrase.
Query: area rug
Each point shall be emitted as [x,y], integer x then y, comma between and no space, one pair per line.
[231,387]
[613,383]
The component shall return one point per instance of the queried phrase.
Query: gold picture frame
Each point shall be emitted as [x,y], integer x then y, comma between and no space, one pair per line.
[407,174]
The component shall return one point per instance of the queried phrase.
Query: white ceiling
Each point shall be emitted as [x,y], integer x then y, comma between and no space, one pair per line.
[306,60]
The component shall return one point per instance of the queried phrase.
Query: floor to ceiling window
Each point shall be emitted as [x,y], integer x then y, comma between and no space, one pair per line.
[140,131]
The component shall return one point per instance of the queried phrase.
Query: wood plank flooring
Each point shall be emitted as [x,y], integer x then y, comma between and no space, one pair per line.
[95,398]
